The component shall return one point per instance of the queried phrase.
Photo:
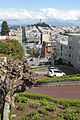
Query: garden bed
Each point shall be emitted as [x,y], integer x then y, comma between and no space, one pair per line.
[29,106]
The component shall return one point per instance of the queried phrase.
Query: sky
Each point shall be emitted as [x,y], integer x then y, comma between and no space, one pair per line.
[31,11]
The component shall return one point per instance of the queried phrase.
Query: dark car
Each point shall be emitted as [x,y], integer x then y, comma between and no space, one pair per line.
[29,72]
[31,59]
[53,67]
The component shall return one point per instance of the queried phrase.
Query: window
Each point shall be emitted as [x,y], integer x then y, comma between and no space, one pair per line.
[69,55]
[78,40]
[78,59]
[61,54]
[50,70]
[58,71]
[49,49]
[61,48]
[69,47]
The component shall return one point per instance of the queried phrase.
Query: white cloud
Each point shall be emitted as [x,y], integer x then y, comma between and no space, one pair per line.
[22,16]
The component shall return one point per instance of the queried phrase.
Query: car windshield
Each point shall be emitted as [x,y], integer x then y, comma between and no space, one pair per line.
[50,70]
[58,71]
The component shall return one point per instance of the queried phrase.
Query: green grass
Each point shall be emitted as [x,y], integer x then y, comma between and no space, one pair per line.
[59,79]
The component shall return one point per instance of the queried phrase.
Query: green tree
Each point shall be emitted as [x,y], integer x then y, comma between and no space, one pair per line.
[15,48]
[12,48]
[34,52]
[5,29]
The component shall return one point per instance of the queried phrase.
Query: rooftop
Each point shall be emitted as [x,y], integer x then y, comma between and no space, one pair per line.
[73,34]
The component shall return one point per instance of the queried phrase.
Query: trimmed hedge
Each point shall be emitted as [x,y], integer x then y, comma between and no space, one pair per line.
[72,102]
[0,116]
[33,70]
[35,96]
[59,79]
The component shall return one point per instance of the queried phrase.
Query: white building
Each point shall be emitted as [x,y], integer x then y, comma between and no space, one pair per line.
[16,34]
[61,51]
[74,49]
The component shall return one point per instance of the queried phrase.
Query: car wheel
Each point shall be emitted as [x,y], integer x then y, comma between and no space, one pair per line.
[63,75]
[54,75]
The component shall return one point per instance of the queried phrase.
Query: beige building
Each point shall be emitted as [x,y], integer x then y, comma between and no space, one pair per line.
[45,37]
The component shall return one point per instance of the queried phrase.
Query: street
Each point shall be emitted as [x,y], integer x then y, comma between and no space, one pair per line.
[66,92]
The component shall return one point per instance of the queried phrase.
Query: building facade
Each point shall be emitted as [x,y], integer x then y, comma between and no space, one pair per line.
[47,45]
[60,52]
[74,49]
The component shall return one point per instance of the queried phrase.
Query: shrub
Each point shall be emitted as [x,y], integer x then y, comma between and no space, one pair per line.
[53,108]
[23,118]
[34,105]
[47,118]
[72,102]
[65,105]
[58,118]
[62,115]
[44,102]
[12,48]
[0,116]
[36,96]
[21,107]
[32,113]
[78,105]
[73,116]
[43,111]
[78,110]
[67,110]
[35,117]
[21,99]
[59,79]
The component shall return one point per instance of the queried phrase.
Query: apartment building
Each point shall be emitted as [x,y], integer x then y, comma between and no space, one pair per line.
[60,52]
[47,45]
[69,51]
[74,49]
[16,34]
[32,34]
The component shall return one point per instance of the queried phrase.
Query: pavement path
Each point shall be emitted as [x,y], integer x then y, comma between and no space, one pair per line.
[66,92]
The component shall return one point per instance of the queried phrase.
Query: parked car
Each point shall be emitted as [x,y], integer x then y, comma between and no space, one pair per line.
[53,67]
[55,73]
[29,72]
[31,59]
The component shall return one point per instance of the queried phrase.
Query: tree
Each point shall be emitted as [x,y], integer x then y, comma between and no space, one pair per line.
[16,77]
[12,48]
[35,52]
[5,29]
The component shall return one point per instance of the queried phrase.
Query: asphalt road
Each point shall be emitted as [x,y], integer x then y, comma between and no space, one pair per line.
[67,92]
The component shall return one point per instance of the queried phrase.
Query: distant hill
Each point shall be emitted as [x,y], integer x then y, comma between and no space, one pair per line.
[43,24]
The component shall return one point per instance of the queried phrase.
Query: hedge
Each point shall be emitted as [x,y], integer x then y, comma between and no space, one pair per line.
[0,116]
[60,79]
[75,102]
